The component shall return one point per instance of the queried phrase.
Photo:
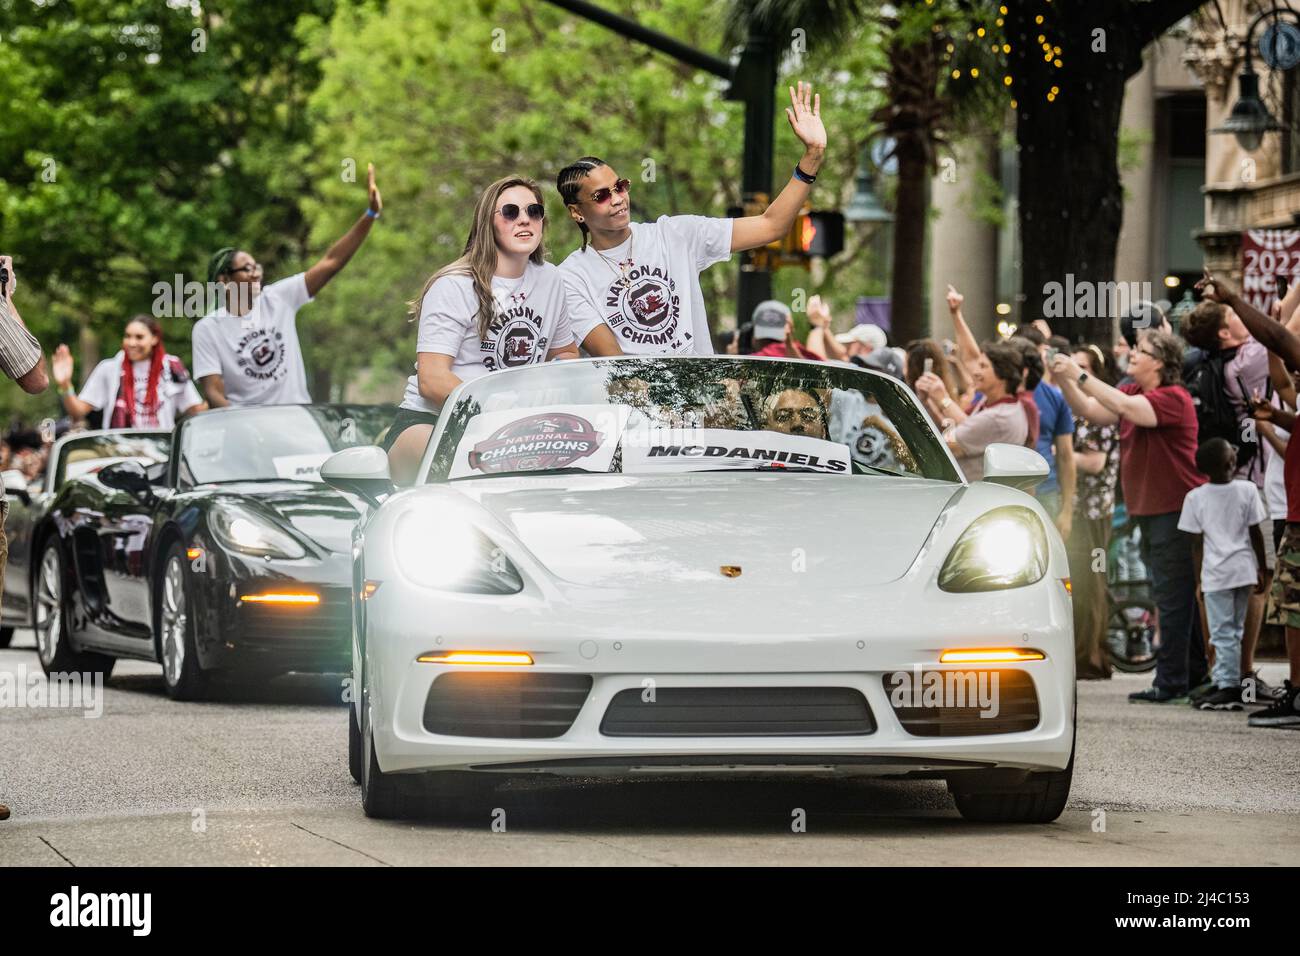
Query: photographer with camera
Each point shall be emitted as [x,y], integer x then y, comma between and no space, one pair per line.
[23,361]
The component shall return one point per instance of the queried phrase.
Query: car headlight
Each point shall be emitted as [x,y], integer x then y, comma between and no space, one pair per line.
[242,529]
[437,548]
[1006,548]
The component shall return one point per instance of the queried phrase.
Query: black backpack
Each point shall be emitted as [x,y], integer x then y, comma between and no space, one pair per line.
[1216,417]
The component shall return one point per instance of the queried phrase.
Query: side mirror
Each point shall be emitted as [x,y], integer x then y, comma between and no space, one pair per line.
[1014,465]
[362,471]
[16,486]
[129,476]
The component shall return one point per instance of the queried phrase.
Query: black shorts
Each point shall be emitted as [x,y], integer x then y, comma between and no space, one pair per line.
[404,419]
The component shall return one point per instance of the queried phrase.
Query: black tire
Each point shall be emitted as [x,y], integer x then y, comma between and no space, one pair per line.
[383,795]
[183,675]
[389,796]
[6,636]
[53,630]
[1039,799]
[1132,635]
[354,745]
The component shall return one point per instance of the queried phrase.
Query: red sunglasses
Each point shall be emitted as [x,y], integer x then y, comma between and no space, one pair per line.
[601,196]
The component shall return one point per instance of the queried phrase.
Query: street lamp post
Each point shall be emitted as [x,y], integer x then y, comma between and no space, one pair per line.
[1250,118]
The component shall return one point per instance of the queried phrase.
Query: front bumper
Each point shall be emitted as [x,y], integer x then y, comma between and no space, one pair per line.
[632,658]
[235,635]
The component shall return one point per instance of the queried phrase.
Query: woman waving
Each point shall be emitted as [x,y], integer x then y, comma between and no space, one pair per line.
[139,387]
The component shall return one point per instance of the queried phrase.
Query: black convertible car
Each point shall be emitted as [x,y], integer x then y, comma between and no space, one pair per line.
[231,555]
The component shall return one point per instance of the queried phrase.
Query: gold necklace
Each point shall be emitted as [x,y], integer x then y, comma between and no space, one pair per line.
[621,273]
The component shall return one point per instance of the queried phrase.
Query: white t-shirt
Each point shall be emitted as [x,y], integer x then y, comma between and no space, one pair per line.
[1274,482]
[1223,515]
[257,355]
[531,320]
[661,309]
[176,391]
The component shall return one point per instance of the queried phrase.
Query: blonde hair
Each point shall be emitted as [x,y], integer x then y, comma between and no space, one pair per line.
[479,260]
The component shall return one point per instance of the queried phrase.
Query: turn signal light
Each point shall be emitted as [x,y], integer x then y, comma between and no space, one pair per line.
[281,597]
[1069,588]
[991,655]
[476,657]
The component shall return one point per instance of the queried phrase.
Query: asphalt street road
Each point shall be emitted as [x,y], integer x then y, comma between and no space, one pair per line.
[260,778]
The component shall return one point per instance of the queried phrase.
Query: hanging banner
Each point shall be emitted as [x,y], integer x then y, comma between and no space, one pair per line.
[1265,255]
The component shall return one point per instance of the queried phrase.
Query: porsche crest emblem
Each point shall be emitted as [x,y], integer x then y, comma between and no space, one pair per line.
[730,570]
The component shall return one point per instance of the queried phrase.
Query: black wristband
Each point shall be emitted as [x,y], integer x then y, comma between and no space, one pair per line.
[803,177]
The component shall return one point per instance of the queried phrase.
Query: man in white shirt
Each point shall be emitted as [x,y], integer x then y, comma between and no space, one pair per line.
[643,279]
[247,352]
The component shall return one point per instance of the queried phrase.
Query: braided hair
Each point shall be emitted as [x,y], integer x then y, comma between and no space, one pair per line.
[570,180]
[220,262]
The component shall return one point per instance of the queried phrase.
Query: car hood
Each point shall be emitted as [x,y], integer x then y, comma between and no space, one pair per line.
[315,511]
[680,531]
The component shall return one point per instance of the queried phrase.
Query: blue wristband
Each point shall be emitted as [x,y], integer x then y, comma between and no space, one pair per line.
[803,177]
[371,214]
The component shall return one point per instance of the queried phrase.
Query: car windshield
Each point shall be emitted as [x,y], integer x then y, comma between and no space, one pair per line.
[667,415]
[90,453]
[285,442]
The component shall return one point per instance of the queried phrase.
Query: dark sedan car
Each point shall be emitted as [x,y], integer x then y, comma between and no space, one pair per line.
[72,456]
[232,555]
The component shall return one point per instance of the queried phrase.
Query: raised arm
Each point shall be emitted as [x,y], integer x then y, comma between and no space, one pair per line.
[63,366]
[820,339]
[1272,335]
[968,350]
[337,256]
[1099,404]
[804,114]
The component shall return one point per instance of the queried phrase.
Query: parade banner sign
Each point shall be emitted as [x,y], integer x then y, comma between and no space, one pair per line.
[1265,255]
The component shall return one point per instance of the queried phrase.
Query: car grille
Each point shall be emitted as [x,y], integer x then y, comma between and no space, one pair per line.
[505,705]
[1016,700]
[738,712]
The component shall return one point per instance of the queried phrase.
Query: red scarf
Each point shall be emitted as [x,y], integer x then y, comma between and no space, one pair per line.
[124,408]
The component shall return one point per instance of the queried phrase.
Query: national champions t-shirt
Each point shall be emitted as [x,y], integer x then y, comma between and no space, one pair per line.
[531,320]
[176,391]
[659,310]
[257,355]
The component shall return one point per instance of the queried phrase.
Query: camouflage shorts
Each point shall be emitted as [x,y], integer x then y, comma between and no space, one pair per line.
[1284,596]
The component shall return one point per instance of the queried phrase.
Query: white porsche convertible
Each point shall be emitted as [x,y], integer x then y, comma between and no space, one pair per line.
[668,565]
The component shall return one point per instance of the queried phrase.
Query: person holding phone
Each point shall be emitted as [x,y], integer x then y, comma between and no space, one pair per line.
[642,279]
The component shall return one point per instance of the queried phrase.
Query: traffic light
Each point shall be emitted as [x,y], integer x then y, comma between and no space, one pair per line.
[821,233]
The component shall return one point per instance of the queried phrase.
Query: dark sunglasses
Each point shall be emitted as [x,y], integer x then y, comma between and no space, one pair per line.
[601,196]
[510,211]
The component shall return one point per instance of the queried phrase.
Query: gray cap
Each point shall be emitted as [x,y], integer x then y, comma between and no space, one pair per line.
[882,360]
[770,317]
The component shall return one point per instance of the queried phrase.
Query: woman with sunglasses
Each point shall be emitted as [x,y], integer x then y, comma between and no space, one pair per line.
[642,279]
[500,305]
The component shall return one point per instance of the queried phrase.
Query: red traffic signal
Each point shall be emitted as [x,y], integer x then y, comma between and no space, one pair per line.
[820,233]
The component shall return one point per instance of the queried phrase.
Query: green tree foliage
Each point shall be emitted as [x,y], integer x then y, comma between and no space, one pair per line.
[137,136]
[444,99]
